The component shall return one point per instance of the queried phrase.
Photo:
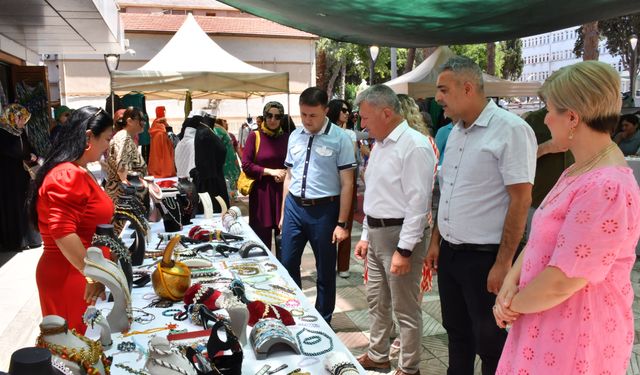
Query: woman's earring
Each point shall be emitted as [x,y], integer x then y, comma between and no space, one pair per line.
[571,130]
[88,147]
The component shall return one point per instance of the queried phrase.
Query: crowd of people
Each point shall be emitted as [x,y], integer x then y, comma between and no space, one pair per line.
[535,229]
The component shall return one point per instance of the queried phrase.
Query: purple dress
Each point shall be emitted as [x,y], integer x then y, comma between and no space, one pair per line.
[265,199]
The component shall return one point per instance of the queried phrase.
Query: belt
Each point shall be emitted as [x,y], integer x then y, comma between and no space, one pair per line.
[486,248]
[314,202]
[372,222]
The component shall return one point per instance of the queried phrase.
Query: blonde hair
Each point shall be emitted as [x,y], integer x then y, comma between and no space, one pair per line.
[409,109]
[591,89]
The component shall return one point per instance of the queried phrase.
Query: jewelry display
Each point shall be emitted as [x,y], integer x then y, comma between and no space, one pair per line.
[338,364]
[249,246]
[207,205]
[313,340]
[171,279]
[258,310]
[270,267]
[76,351]
[146,317]
[197,262]
[108,273]
[188,189]
[309,318]
[105,237]
[226,364]
[277,297]
[267,333]
[131,370]
[127,346]
[93,316]
[60,366]
[292,304]
[150,330]
[170,312]
[171,214]
[200,294]
[297,312]
[164,361]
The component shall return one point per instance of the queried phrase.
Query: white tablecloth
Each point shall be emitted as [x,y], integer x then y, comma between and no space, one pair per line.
[250,365]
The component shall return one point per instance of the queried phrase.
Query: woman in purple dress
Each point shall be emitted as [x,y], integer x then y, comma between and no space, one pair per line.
[263,159]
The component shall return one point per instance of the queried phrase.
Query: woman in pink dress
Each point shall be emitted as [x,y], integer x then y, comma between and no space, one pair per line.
[568,295]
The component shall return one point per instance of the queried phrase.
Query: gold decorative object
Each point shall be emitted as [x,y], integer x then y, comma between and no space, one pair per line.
[171,279]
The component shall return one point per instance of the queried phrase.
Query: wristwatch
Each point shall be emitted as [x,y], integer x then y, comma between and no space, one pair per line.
[404,252]
[342,224]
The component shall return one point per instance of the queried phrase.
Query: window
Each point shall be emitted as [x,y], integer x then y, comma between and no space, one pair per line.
[181,12]
[210,14]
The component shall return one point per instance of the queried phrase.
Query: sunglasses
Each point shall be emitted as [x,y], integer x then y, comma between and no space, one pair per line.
[345,110]
[276,116]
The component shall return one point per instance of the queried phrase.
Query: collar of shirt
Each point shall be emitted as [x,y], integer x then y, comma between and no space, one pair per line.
[324,130]
[396,133]
[483,119]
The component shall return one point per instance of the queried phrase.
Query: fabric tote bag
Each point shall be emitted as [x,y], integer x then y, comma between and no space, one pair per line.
[245,183]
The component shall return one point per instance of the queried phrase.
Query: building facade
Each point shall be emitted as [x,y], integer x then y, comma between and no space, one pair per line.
[545,53]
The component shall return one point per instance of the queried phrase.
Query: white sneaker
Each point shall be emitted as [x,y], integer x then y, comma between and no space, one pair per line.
[344,274]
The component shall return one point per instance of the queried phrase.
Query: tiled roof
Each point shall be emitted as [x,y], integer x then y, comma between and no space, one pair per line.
[144,22]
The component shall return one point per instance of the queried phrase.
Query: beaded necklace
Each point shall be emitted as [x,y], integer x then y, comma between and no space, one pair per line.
[83,357]
[171,204]
[114,244]
[313,340]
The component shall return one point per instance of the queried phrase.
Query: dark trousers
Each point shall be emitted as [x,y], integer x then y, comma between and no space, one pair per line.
[314,224]
[467,310]
[266,235]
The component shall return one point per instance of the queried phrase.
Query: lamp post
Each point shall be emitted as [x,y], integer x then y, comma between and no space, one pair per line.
[373,50]
[112,61]
[632,67]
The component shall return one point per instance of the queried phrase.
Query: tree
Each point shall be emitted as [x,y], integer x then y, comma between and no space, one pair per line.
[411,57]
[617,31]
[512,63]
[491,58]
[591,37]
[478,53]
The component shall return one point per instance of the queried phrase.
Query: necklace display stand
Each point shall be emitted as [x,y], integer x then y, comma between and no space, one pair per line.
[92,316]
[56,337]
[164,361]
[207,205]
[105,236]
[239,318]
[108,273]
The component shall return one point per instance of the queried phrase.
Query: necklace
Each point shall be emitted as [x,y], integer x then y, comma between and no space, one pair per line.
[574,171]
[114,244]
[83,357]
[171,204]
[131,217]
[314,339]
[123,286]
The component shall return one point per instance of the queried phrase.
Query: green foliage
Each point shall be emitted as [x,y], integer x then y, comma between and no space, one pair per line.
[512,62]
[617,32]
[478,53]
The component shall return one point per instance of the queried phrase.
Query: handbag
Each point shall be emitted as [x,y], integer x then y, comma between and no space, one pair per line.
[245,183]
[31,168]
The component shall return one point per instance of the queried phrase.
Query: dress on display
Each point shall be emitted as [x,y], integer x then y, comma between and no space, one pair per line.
[162,153]
[69,201]
[231,165]
[265,199]
[208,175]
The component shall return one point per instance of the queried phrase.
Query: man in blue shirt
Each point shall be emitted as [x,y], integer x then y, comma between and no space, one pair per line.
[317,195]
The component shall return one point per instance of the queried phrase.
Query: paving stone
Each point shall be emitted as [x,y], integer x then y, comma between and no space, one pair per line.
[360,318]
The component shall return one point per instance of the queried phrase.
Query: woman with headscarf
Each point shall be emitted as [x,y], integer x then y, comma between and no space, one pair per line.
[123,151]
[266,165]
[14,151]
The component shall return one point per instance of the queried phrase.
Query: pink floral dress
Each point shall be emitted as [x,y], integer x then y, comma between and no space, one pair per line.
[588,228]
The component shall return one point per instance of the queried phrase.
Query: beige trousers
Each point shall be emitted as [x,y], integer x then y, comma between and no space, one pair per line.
[386,291]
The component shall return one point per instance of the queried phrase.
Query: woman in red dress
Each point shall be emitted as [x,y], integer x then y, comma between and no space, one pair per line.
[67,203]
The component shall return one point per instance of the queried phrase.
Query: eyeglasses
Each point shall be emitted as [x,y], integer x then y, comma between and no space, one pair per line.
[276,116]
[345,110]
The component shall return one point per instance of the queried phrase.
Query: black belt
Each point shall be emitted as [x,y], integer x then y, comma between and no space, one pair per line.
[372,222]
[486,248]
[314,202]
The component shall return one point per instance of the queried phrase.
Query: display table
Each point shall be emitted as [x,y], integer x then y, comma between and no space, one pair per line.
[257,287]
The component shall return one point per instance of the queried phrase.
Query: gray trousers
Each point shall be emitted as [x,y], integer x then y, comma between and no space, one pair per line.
[386,291]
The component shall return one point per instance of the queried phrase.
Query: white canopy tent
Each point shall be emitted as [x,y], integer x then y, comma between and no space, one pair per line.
[421,81]
[192,61]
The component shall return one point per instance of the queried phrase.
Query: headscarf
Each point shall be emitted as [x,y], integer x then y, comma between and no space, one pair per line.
[58,112]
[8,120]
[263,127]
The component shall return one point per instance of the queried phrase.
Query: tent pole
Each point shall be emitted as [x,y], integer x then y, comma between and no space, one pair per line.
[289,103]
[246,105]
[113,111]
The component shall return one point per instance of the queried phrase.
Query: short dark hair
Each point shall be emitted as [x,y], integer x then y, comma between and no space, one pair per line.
[314,96]
[133,113]
[632,119]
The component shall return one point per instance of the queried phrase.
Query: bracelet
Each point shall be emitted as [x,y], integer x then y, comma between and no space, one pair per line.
[297,312]
[127,346]
[150,330]
[309,318]
[170,312]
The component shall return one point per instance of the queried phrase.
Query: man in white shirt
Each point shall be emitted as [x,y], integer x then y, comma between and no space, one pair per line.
[485,184]
[397,201]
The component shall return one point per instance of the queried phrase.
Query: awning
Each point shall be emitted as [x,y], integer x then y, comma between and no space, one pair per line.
[423,23]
